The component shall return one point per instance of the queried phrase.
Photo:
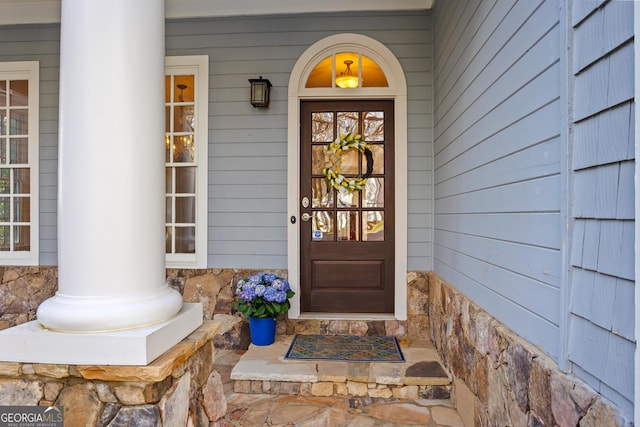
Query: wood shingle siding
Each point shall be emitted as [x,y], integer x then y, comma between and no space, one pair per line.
[601,336]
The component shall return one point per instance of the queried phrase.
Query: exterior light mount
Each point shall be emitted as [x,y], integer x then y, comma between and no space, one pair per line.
[260,92]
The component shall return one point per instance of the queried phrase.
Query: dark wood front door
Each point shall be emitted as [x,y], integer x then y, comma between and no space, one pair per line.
[347,237]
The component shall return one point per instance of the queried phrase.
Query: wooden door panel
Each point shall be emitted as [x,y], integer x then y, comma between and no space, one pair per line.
[347,248]
[337,274]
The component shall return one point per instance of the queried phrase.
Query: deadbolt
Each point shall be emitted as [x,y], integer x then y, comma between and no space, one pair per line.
[305,202]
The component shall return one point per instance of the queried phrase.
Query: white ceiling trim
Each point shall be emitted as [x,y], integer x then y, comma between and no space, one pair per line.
[14,12]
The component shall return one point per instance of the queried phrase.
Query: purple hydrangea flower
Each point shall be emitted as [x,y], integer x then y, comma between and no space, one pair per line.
[248,294]
[281,296]
[270,294]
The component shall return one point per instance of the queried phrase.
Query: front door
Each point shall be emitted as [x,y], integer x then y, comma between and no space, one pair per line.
[346,235]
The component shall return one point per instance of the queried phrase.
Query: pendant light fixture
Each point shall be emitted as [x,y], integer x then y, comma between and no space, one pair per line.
[346,79]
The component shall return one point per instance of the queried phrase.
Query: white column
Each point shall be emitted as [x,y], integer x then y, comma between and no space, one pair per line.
[111,169]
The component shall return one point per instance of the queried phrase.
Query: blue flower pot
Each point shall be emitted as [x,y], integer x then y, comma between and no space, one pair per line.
[263,330]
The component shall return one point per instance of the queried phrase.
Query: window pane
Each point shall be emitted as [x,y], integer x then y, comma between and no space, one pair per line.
[186,210]
[21,209]
[18,122]
[3,121]
[373,193]
[321,74]
[378,159]
[18,93]
[168,240]
[3,151]
[168,216]
[183,88]
[167,119]
[22,238]
[5,238]
[22,234]
[322,194]
[168,174]
[5,186]
[373,226]
[322,225]
[185,180]
[168,146]
[3,93]
[21,181]
[348,199]
[19,148]
[349,162]
[373,123]
[185,240]
[347,225]
[183,119]
[183,150]
[347,65]
[372,75]
[319,159]
[322,127]
[348,122]
[5,209]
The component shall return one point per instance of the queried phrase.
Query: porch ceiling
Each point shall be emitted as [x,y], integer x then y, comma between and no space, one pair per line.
[14,12]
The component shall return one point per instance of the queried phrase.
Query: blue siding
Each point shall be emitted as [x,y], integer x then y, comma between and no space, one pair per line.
[601,340]
[498,160]
[247,183]
[41,43]
[248,147]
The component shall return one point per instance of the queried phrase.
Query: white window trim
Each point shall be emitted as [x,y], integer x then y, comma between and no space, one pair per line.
[28,70]
[396,90]
[198,65]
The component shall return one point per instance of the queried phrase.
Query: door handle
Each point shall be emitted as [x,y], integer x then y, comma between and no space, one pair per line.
[305,217]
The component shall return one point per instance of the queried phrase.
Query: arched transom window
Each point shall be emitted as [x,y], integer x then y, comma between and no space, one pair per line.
[346,70]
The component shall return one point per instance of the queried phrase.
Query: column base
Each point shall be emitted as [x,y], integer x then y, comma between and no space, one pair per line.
[70,313]
[32,343]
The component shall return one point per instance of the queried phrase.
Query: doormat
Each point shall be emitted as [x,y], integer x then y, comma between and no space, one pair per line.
[346,348]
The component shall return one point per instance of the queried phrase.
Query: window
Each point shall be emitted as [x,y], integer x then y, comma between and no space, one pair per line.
[347,70]
[186,109]
[19,93]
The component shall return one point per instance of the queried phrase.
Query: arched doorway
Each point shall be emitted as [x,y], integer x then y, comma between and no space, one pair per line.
[327,260]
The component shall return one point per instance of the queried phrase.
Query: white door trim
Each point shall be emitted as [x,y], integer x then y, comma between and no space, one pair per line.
[397,90]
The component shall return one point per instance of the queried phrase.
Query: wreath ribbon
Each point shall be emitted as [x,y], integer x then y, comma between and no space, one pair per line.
[333,157]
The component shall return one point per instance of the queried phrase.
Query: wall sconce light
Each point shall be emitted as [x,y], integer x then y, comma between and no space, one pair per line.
[260,92]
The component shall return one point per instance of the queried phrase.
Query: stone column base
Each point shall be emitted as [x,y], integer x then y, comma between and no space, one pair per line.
[178,388]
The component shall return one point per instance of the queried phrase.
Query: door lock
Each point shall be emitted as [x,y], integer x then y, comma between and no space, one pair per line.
[305,202]
[305,217]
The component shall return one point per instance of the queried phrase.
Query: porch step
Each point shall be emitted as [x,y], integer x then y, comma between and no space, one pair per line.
[263,370]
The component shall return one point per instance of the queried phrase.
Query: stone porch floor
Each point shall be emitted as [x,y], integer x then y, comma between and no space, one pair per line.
[262,389]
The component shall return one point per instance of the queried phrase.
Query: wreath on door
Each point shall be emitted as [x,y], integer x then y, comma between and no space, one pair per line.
[335,150]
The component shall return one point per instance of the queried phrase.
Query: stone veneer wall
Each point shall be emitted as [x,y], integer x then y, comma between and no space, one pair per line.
[23,289]
[214,288]
[177,389]
[512,382]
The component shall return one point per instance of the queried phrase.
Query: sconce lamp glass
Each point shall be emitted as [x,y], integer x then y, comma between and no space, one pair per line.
[260,92]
